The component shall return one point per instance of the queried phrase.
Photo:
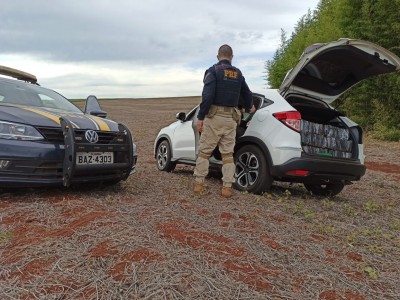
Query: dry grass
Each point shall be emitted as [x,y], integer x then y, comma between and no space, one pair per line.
[150,238]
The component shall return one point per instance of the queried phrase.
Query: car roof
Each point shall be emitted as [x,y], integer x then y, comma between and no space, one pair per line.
[18,74]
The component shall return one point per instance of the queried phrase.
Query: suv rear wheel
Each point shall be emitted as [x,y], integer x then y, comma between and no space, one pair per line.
[251,170]
[328,189]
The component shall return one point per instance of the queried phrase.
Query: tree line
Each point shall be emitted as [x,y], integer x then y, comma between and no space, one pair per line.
[374,103]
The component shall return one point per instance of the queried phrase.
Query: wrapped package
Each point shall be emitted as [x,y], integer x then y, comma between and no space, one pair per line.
[326,140]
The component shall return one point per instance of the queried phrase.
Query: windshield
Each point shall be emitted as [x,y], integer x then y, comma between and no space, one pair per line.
[20,93]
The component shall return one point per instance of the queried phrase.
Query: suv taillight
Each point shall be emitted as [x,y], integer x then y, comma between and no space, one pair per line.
[291,119]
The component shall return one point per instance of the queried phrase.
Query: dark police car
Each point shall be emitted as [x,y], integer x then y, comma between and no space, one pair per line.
[46,140]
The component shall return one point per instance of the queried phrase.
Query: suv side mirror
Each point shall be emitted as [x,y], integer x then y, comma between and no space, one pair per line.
[92,107]
[181,116]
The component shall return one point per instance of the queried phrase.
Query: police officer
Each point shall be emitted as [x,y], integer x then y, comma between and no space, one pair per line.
[218,117]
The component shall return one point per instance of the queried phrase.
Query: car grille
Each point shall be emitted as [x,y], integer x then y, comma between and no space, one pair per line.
[52,134]
[53,170]
[55,135]
[34,169]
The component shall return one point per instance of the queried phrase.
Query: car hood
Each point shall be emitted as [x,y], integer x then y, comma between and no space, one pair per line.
[325,71]
[44,117]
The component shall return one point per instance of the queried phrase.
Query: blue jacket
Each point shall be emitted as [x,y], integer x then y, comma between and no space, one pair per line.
[224,85]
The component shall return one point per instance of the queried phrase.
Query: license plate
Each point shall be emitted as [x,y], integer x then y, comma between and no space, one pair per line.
[94,158]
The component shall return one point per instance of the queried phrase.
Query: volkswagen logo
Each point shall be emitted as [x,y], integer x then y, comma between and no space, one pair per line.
[91,136]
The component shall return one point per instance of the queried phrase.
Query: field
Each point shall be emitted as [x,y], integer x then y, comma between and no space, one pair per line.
[151,238]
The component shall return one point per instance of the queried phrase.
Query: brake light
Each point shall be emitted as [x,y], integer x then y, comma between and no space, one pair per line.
[298,172]
[291,119]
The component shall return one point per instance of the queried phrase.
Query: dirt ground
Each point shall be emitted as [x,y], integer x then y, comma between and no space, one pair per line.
[150,238]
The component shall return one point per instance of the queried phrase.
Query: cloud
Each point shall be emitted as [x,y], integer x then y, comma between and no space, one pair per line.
[128,44]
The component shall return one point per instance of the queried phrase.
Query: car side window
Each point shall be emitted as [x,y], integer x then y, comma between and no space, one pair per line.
[266,102]
[191,114]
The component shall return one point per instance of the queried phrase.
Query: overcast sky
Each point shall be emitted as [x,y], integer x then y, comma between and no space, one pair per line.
[136,49]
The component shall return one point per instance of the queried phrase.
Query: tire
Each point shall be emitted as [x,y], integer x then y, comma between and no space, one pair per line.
[329,189]
[251,170]
[163,157]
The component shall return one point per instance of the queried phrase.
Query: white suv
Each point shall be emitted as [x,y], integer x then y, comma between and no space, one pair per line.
[295,135]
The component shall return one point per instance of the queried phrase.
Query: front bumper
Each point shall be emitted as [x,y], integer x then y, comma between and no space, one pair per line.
[29,164]
[321,170]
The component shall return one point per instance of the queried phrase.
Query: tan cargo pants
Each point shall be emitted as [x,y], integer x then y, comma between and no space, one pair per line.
[218,130]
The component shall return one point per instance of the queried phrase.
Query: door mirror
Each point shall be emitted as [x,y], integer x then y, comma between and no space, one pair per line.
[181,116]
[92,107]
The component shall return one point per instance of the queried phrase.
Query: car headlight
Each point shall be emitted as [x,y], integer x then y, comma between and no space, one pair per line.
[15,131]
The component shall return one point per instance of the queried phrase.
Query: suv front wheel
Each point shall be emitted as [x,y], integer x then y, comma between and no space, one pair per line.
[163,157]
[251,170]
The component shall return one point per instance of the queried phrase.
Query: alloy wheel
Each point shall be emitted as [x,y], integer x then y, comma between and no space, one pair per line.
[162,156]
[247,169]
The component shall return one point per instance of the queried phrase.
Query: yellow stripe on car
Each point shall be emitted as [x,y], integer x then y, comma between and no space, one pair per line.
[100,122]
[43,113]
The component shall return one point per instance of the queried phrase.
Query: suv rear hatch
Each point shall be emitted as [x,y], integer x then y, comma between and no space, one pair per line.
[323,73]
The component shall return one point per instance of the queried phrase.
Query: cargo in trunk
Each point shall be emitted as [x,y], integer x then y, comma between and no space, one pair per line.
[325,140]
